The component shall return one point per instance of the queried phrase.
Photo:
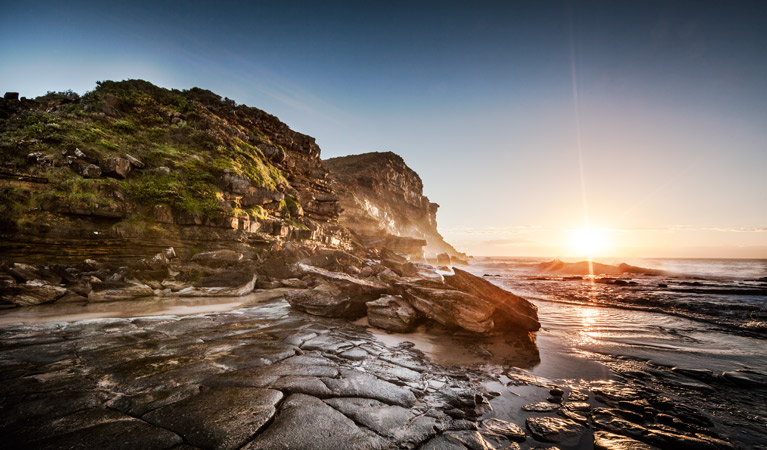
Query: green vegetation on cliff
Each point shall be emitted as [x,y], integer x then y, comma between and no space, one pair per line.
[174,147]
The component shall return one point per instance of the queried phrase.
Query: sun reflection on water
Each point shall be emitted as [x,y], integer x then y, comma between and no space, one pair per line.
[590,330]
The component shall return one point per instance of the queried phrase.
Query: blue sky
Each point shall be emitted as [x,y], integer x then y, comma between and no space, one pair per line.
[666,143]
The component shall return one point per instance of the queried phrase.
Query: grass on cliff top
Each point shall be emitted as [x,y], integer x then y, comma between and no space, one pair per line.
[161,127]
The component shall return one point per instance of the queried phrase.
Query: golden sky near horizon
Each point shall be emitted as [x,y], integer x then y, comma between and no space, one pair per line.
[671,242]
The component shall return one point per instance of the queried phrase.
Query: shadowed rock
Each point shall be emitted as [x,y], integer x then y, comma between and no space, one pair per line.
[357,384]
[116,168]
[218,258]
[222,418]
[262,376]
[395,422]
[31,293]
[392,313]
[128,291]
[326,300]
[218,286]
[346,283]
[338,295]
[307,422]
[117,435]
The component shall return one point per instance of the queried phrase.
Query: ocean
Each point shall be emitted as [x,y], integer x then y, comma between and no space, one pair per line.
[695,333]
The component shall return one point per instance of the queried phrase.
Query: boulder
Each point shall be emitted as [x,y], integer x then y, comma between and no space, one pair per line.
[512,431]
[403,269]
[107,292]
[135,162]
[218,258]
[33,292]
[553,429]
[327,300]
[116,168]
[25,273]
[158,261]
[452,308]
[170,252]
[392,313]
[225,284]
[40,159]
[365,290]
[512,313]
[90,171]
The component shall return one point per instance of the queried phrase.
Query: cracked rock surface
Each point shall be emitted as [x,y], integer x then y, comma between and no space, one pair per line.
[264,377]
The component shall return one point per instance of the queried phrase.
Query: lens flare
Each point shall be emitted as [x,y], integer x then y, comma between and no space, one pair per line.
[588,242]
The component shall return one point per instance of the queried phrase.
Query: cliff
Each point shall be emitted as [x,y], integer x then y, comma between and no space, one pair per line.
[229,199]
[130,168]
[383,203]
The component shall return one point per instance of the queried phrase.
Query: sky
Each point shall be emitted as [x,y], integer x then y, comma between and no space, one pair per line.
[645,122]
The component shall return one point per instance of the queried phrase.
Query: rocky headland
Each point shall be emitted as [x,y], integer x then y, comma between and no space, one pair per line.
[134,191]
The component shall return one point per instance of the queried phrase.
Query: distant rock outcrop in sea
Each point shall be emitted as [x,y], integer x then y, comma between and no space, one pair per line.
[557,266]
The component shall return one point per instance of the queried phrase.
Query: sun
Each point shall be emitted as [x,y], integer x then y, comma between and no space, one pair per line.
[588,241]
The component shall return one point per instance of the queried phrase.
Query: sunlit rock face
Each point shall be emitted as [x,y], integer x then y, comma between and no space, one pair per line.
[382,198]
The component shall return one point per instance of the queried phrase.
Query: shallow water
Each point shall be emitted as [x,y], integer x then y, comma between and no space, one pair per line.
[140,307]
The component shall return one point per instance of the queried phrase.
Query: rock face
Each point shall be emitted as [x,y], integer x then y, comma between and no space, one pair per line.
[382,198]
[337,295]
[453,308]
[472,303]
[214,174]
[32,293]
[511,312]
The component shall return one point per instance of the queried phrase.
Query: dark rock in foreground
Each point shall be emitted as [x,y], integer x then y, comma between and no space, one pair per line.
[307,422]
[222,418]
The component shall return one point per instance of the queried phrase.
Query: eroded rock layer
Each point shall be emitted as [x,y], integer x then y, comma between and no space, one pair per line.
[382,200]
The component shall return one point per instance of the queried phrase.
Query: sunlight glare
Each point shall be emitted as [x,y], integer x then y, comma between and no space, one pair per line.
[588,242]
